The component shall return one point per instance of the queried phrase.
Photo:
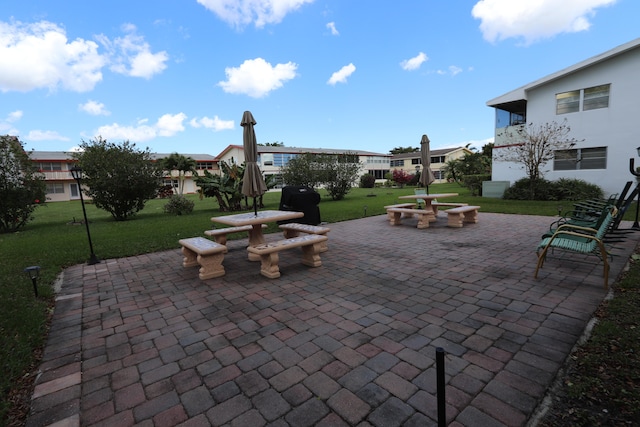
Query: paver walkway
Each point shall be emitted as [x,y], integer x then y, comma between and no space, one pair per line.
[142,341]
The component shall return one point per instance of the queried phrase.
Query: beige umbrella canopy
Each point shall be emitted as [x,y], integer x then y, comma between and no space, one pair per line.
[252,182]
[426,177]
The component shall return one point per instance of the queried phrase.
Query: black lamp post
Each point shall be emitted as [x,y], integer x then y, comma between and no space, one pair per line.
[33,273]
[632,169]
[418,171]
[76,173]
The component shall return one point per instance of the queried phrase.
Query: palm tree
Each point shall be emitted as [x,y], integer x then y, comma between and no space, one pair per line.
[182,164]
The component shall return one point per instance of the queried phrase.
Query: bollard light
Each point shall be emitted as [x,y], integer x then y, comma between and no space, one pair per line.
[33,273]
[76,173]
[632,169]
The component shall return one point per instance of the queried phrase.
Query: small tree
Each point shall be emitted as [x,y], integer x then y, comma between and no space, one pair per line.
[367,181]
[119,178]
[401,178]
[226,188]
[533,146]
[22,188]
[302,170]
[340,173]
[179,163]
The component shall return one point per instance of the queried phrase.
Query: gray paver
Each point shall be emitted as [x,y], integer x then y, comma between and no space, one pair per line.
[349,343]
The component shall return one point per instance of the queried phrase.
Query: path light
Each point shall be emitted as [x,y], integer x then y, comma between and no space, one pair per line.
[365,210]
[76,173]
[33,273]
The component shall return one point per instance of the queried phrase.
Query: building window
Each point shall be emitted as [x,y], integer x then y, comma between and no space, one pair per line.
[507,118]
[580,159]
[281,159]
[267,159]
[204,165]
[50,166]
[172,182]
[437,159]
[568,102]
[592,98]
[55,188]
[397,163]
[596,97]
[378,173]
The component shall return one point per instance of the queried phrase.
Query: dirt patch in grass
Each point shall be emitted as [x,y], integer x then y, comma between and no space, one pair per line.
[601,383]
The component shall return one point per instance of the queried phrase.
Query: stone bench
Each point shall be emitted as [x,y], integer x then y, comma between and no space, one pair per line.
[220,234]
[436,205]
[268,252]
[400,205]
[457,216]
[395,216]
[201,251]
[293,229]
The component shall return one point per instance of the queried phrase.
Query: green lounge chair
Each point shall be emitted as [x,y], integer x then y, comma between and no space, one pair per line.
[583,240]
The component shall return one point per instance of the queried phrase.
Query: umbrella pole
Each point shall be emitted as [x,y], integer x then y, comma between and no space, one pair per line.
[255,207]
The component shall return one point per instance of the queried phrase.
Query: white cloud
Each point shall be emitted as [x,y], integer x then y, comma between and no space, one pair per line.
[131,55]
[240,13]
[534,20]
[94,108]
[256,77]
[167,125]
[452,70]
[332,27]
[14,116]
[414,63]
[6,124]
[341,75]
[45,135]
[39,55]
[214,123]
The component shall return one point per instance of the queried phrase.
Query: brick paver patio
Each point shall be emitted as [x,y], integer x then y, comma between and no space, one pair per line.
[143,341]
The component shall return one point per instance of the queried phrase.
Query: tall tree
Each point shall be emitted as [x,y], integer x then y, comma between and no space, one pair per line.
[22,188]
[182,164]
[119,178]
[533,146]
[400,150]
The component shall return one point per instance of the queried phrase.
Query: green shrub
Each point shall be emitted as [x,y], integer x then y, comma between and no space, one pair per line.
[178,205]
[367,181]
[527,189]
[576,189]
[474,183]
[562,189]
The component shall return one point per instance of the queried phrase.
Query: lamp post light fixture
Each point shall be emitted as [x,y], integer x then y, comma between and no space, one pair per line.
[417,169]
[33,273]
[76,173]
[632,169]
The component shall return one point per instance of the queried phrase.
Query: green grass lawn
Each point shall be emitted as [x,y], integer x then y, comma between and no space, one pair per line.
[53,242]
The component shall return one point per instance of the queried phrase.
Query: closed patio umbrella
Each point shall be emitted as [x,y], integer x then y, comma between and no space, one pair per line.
[427,176]
[252,182]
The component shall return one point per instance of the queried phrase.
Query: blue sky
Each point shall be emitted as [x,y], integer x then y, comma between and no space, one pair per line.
[176,76]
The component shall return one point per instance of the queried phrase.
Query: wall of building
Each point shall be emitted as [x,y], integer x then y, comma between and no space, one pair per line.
[615,127]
